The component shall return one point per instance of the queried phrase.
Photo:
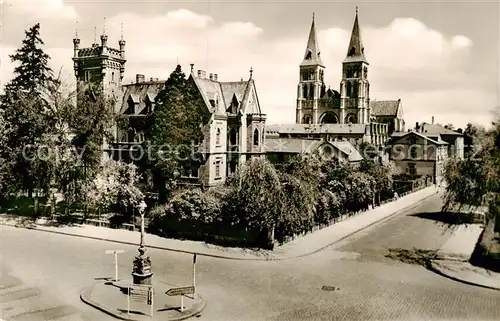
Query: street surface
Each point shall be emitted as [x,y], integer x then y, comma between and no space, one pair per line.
[368,285]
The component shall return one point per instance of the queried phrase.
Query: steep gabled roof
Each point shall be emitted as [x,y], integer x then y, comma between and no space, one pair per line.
[385,107]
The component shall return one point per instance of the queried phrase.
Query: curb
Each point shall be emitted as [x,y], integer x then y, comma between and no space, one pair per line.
[85,297]
[432,267]
[274,258]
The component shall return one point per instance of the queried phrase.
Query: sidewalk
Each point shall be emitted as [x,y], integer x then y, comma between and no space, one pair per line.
[454,257]
[299,247]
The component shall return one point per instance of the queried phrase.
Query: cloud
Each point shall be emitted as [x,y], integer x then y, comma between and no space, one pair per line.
[408,60]
[43,8]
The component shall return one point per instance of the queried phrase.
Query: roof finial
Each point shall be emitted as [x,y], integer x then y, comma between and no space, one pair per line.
[192,68]
[121,31]
[104,27]
[95,34]
[356,10]
[313,16]
[76,31]
[251,72]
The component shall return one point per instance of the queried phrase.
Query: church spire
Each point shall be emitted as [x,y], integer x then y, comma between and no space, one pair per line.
[356,51]
[312,54]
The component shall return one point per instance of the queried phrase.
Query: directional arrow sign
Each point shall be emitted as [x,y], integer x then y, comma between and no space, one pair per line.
[180,291]
[115,251]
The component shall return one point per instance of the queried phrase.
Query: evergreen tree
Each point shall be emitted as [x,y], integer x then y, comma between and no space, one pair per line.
[175,126]
[24,111]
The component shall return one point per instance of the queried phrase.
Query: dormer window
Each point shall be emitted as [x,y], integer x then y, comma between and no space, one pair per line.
[131,106]
[352,52]
[309,55]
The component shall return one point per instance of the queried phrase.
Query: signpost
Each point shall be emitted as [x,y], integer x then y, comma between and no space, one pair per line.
[194,270]
[182,292]
[115,252]
[140,293]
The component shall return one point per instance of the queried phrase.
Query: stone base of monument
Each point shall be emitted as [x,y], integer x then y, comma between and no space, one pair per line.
[144,279]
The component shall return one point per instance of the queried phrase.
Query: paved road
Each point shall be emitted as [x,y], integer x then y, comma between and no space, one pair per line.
[371,286]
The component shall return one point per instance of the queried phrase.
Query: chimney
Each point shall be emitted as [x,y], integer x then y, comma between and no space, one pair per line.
[139,78]
[432,119]
[202,74]
[215,77]
[211,76]
[416,127]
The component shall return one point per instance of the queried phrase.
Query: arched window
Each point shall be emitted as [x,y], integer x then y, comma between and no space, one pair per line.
[350,119]
[306,119]
[329,118]
[311,91]
[232,136]
[113,76]
[304,92]
[256,137]
[217,137]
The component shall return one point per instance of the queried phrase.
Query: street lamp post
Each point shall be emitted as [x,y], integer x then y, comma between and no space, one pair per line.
[141,272]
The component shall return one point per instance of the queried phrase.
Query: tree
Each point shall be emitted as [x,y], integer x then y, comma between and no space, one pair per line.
[115,187]
[475,181]
[176,130]
[24,111]
[383,177]
[256,196]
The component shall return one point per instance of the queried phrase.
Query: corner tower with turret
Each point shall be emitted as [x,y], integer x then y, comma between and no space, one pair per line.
[101,67]
[311,82]
[354,87]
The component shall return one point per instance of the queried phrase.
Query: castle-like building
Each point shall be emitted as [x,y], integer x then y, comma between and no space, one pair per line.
[233,133]
[236,129]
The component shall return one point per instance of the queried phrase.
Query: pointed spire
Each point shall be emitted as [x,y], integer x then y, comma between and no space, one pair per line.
[312,54]
[356,51]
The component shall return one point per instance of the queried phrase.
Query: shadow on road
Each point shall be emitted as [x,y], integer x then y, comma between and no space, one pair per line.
[448,218]
[414,256]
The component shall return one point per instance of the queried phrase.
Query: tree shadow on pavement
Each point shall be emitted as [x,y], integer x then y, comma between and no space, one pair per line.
[414,256]
[451,220]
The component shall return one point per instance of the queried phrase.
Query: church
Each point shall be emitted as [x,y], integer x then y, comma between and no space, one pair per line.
[332,116]
[328,121]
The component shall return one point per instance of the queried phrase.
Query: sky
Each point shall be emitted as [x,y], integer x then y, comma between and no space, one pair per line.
[441,58]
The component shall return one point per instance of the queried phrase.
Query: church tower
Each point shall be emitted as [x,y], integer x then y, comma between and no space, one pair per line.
[354,87]
[101,67]
[311,81]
